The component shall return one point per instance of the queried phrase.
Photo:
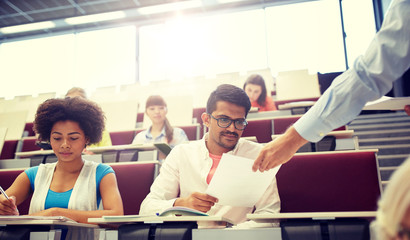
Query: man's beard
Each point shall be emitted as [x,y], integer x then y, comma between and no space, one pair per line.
[220,142]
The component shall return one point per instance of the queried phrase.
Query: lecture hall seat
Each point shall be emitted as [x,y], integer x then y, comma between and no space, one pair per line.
[9,149]
[281,102]
[29,144]
[7,177]
[140,117]
[196,114]
[192,132]
[29,129]
[280,124]
[329,182]
[134,182]
[261,129]
[122,137]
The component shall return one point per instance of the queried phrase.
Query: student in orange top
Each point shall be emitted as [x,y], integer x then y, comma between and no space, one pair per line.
[255,88]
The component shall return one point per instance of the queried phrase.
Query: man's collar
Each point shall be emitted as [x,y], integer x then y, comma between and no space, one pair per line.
[149,135]
[205,138]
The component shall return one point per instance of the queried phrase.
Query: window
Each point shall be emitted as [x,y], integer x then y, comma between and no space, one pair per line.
[203,46]
[305,36]
[55,64]
[359,27]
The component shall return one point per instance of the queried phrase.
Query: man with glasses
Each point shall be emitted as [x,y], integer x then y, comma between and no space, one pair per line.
[189,168]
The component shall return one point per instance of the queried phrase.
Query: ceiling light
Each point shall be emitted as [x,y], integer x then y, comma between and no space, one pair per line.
[95,18]
[169,7]
[27,27]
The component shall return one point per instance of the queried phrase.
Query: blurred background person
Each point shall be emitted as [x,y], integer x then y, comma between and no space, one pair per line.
[106,139]
[255,88]
[160,129]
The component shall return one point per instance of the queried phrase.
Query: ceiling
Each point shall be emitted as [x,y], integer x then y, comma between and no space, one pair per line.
[17,12]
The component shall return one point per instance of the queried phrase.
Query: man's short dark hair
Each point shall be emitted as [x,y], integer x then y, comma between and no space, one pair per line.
[228,93]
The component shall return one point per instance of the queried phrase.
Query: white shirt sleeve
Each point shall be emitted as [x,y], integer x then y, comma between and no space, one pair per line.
[371,77]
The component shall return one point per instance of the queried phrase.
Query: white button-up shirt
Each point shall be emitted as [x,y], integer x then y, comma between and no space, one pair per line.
[185,171]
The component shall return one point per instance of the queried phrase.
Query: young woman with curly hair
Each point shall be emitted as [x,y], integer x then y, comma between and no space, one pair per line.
[71,187]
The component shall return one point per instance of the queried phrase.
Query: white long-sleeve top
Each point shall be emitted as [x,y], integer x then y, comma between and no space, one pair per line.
[371,77]
[185,171]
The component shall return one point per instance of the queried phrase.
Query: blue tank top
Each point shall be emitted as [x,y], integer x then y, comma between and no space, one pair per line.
[61,199]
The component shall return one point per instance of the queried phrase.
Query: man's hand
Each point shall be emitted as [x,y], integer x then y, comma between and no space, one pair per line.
[279,151]
[199,201]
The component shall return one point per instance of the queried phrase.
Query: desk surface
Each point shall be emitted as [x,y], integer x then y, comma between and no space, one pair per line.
[296,105]
[268,114]
[143,147]
[337,152]
[338,134]
[313,215]
[33,220]
[156,219]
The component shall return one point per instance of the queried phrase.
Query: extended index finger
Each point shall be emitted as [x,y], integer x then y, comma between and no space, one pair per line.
[258,161]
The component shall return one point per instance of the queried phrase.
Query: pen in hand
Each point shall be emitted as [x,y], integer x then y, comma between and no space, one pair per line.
[4,193]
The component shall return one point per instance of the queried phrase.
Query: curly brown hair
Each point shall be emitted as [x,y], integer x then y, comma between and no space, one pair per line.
[86,113]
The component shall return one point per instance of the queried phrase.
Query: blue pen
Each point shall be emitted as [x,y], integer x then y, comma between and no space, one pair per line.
[4,193]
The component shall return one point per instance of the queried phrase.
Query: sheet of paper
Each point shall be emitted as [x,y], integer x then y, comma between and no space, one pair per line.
[235,184]
[27,217]
[388,103]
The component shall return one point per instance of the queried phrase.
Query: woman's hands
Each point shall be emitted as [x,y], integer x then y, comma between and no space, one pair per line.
[8,206]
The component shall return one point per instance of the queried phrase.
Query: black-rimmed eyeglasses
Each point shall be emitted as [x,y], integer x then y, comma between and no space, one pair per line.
[240,124]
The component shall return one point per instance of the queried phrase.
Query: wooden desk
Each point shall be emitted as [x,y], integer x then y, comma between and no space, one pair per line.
[304,104]
[345,139]
[38,227]
[218,220]
[144,147]
[297,107]
[312,215]
[3,132]
[268,114]
[32,220]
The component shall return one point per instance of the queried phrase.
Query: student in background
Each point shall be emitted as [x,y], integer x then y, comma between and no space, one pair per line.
[160,129]
[393,214]
[189,168]
[255,88]
[71,187]
[106,139]
[386,59]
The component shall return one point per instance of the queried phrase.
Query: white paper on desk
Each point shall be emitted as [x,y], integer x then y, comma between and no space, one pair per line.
[235,184]
[27,217]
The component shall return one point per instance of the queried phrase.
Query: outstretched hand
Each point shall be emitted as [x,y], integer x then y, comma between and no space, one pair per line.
[279,151]
[199,201]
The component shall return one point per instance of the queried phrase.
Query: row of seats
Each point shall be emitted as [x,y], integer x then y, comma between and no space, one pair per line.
[262,129]
[134,181]
[197,112]
[319,182]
